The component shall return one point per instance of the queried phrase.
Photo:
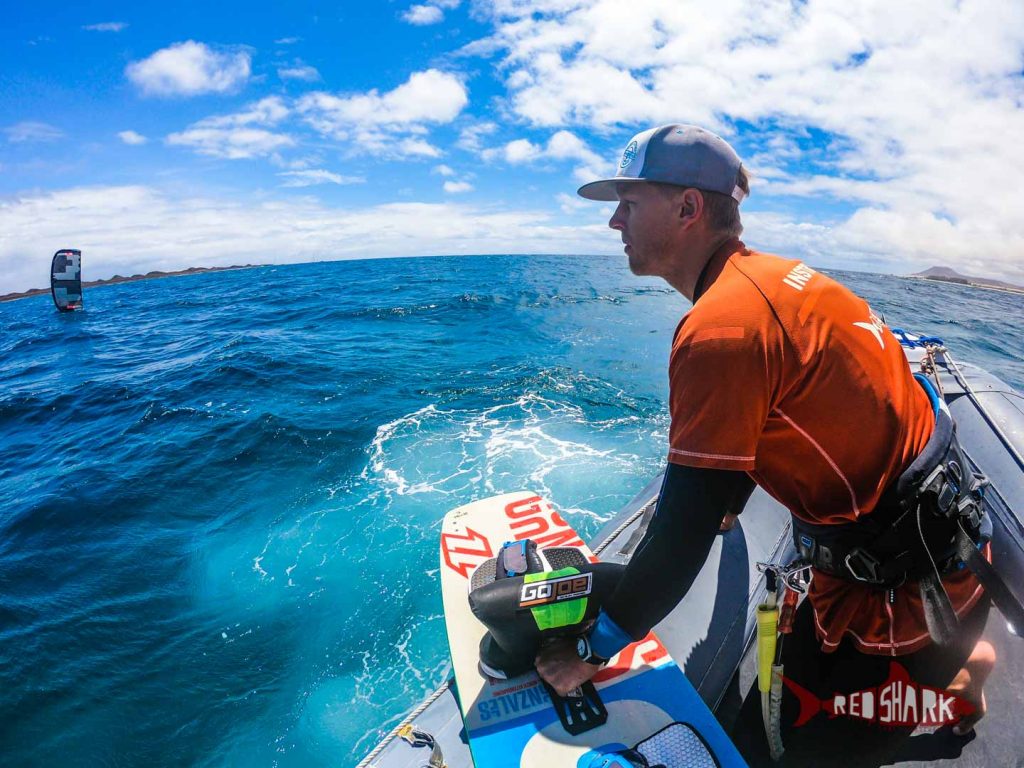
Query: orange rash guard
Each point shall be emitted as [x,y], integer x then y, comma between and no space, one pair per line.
[782,372]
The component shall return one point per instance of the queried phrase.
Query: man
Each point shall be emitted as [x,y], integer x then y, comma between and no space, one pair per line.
[778,376]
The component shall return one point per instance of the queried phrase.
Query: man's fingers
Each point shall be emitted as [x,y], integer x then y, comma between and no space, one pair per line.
[562,669]
[562,684]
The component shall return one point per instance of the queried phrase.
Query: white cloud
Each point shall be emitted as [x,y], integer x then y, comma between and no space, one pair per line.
[189,69]
[287,40]
[30,131]
[909,113]
[312,176]
[562,145]
[452,185]
[431,96]
[231,143]
[430,12]
[572,203]
[471,137]
[422,15]
[300,163]
[267,111]
[409,147]
[521,151]
[302,72]
[567,145]
[238,136]
[132,138]
[157,231]
[392,123]
[106,26]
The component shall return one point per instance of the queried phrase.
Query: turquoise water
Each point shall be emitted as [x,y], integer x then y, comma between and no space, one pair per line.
[220,495]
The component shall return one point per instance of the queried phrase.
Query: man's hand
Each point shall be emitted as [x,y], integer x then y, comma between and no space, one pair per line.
[559,665]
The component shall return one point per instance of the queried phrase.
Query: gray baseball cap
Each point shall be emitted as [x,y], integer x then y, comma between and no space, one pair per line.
[684,155]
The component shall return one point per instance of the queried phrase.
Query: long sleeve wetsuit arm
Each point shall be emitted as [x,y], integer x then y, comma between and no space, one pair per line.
[690,509]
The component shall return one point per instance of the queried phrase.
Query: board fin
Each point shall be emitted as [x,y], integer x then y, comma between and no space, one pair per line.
[581,710]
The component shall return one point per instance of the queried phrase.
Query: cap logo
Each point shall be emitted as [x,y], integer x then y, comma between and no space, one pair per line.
[628,155]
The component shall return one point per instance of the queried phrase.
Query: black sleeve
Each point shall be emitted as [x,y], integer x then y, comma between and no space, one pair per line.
[690,509]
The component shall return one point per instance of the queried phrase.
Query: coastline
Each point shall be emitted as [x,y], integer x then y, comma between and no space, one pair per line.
[116,279]
[968,284]
[156,275]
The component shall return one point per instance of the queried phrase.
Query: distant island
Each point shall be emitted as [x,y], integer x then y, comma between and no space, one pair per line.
[119,279]
[947,275]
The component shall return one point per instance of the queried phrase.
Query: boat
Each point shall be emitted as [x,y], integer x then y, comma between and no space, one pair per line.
[711,632]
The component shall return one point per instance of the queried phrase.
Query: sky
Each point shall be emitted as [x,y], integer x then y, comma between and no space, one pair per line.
[881,136]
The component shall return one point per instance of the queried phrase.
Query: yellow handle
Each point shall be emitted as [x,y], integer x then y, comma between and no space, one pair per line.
[767,626]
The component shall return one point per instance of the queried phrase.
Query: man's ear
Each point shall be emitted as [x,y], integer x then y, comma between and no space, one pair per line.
[691,206]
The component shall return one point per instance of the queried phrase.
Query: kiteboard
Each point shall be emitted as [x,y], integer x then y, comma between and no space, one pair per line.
[648,704]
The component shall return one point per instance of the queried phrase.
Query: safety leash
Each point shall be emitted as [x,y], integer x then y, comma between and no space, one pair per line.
[774,622]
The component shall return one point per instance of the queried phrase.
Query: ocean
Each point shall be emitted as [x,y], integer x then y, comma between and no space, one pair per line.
[221,494]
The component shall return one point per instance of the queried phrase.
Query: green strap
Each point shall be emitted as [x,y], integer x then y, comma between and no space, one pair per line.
[558,614]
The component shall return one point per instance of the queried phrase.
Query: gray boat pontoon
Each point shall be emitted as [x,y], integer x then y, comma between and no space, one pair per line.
[711,632]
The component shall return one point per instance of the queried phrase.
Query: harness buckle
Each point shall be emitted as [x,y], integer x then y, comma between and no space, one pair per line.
[946,498]
[869,565]
[926,484]
[970,511]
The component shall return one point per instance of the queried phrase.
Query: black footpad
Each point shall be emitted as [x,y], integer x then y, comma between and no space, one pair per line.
[564,557]
[484,574]
[582,710]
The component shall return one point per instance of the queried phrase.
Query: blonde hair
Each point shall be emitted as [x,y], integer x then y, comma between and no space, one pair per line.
[722,211]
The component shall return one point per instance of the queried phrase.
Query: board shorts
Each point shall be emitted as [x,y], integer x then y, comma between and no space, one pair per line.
[843,740]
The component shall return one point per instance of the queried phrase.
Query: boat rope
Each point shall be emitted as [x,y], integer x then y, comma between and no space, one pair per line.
[625,524]
[930,368]
[397,731]
[962,381]
[912,341]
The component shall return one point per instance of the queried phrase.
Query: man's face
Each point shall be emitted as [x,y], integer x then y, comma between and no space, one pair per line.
[648,219]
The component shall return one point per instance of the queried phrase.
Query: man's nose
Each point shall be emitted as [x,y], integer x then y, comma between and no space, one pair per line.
[617,221]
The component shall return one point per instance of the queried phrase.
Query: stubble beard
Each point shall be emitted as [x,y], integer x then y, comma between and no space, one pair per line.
[634,263]
[645,263]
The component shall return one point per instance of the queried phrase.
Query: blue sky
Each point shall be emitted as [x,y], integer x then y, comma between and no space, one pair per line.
[160,136]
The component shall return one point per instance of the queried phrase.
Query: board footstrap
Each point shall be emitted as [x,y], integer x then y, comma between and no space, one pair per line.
[581,710]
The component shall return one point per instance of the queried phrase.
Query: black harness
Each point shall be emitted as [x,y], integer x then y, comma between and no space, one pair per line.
[931,522]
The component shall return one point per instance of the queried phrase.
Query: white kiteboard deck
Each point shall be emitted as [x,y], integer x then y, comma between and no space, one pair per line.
[649,701]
